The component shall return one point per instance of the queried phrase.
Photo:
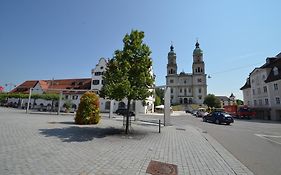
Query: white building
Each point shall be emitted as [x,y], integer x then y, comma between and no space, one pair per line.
[187,88]
[262,89]
[97,83]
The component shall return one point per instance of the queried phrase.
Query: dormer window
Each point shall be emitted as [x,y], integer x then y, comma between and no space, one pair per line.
[275,71]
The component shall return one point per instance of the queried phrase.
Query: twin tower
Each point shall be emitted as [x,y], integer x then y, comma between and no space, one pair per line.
[187,88]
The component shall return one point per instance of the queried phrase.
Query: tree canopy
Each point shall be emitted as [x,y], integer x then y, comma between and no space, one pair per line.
[212,101]
[128,73]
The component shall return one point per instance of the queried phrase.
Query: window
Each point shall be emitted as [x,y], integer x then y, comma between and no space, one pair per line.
[275,71]
[277,100]
[172,90]
[184,81]
[254,92]
[199,90]
[266,101]
[171,81]
[275,86]
[101,67]
[199,97]
[98,73]
[199,80]
[66,96]
[260,102]
[263,77]
[265,89]
[74,97]
[180,90]
[189,90]
[96,82]
[255,102]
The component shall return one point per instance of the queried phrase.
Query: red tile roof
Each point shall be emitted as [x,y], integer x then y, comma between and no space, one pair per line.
[47,85]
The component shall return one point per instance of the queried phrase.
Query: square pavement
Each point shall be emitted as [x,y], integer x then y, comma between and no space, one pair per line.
[51,144]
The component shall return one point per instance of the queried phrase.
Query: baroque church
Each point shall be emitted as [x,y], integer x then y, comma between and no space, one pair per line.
[187,88]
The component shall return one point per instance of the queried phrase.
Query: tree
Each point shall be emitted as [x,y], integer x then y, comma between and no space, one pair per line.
[239,102]
[159,93]
[128,73]
[212,101]
[88,109]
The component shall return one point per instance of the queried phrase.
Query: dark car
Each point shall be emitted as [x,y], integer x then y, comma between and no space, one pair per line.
[124,112]
[218,118]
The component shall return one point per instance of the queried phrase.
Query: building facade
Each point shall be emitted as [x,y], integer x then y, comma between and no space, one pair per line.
[187,88]
[97,83]
[262,89]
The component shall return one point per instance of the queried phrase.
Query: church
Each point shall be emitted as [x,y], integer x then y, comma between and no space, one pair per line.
[187,88]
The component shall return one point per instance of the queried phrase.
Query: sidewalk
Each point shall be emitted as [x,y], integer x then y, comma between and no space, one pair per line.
[49,144]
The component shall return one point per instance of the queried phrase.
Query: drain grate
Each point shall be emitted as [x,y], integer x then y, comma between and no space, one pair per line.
[161,168]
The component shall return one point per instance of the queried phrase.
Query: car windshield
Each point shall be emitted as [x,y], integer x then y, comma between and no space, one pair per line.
[226,115]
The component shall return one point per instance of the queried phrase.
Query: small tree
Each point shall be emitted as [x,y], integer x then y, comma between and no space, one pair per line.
[212,101]
[128,74]
[88,110]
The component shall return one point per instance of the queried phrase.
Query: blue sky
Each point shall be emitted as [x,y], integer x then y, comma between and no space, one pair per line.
[45,39]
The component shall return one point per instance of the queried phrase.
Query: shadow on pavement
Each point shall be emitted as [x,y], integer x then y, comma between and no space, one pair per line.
[259,121]
[80,134]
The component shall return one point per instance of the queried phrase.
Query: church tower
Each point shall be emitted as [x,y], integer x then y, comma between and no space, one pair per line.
[199,76]
[172,62]
[198,66]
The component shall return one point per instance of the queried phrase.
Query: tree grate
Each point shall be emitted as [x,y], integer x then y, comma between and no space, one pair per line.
[161,168]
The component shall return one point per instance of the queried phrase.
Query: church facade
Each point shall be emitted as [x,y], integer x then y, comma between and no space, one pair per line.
[187,88]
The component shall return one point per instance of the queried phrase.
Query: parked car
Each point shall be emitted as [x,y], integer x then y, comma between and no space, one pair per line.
[201,112]
[218,118]
[194,112]
[123,112]
[188,111]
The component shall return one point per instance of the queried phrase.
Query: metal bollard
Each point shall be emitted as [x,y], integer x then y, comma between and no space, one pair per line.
[159,126]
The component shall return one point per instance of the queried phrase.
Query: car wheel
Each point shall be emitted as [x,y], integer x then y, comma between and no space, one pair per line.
[217,121]
[227,123]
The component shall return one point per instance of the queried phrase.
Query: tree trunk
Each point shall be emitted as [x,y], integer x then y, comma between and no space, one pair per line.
[127,116]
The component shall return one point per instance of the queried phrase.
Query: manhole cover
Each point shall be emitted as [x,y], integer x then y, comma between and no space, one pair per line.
[161,168]
[180,129]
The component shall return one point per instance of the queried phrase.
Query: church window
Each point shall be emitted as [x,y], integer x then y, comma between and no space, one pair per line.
[198,69]
[171,81]
[180,100]
[199,80]
[199,97]
[96,82]
[172,90]
[275,71]
[184,81]
[98,73]
[199,90]
[189,90]
[180,90]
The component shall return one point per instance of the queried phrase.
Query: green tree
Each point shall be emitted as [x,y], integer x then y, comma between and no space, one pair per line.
[88,110]
[160,93]
[212,101]
[239,102]
[157,101]
[128,73]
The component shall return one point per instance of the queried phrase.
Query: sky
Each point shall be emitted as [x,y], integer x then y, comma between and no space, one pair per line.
[60,39]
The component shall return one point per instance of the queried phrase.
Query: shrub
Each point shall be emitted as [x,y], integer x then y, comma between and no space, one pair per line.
[88,109]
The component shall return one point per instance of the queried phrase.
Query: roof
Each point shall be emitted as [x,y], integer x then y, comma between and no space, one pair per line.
[246,85]
[83,83]
[223,98]
[24,87]
[271,77]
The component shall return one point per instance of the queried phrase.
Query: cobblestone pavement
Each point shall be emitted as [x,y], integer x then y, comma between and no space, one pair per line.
[51,144]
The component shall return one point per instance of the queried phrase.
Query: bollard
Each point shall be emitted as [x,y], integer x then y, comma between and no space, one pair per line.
[159,126]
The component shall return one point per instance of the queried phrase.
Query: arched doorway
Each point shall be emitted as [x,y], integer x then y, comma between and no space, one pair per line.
[107,105]
[121,105]
[185,100]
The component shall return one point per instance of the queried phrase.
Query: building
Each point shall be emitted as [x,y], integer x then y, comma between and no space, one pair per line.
[262,89]
[187,88]
[227,100]
[97,83]
[70,87]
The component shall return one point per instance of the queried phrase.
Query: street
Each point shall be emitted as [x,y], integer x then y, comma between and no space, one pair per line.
[256,143]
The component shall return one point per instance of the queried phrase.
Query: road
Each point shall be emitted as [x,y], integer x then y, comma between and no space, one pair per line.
[257,144]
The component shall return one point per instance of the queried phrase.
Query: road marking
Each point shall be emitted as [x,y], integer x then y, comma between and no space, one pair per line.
[266,137]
